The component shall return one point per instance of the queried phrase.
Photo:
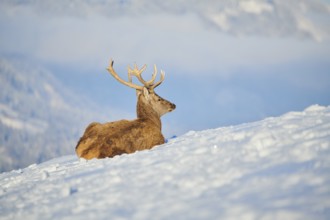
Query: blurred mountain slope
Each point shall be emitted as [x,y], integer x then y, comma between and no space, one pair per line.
[39,117]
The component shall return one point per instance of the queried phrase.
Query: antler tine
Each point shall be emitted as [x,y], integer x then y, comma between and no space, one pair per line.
[129,73]
[154,74]
[162,77]
[115,75]
[138,73]
[152,80]
[135,72]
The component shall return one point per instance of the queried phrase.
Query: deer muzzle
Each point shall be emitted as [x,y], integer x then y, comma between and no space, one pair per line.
[172,107]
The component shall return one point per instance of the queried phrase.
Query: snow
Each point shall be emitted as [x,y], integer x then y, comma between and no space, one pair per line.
[277,168]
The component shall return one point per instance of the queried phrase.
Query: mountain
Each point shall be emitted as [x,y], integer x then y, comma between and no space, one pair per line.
[277,168]
[39,118]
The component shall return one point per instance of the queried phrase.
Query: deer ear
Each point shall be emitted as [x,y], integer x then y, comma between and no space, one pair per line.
[146,93]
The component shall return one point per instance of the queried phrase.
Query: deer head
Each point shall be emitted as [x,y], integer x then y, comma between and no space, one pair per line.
[148,100]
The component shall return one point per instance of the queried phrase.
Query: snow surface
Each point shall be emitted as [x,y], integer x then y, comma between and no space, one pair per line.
[277,168]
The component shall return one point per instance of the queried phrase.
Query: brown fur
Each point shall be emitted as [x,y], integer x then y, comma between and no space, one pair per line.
[119,137]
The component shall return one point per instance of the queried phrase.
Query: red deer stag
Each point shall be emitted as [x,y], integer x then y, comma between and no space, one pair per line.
[115,138]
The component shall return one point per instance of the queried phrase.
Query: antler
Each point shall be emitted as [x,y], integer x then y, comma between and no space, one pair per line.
[148,84]
[162,77]
[114,74]
[137,72]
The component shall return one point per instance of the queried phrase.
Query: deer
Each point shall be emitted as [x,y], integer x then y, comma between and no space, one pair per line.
[128,136]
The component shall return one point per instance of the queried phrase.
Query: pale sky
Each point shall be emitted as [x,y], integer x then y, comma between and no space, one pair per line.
[226,62]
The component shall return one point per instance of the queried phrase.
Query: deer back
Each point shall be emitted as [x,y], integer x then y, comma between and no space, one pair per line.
[115,138]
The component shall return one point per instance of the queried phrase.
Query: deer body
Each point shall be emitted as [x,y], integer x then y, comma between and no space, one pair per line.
[124,136]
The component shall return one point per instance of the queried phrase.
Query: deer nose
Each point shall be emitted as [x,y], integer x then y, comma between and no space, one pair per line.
[173,106]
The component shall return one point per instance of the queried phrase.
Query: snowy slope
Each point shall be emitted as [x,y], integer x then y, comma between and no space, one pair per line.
[277,168]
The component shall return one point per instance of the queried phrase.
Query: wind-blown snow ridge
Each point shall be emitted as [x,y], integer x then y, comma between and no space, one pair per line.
[277,168]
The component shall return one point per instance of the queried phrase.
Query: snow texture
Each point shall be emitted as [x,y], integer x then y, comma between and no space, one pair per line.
[277,168]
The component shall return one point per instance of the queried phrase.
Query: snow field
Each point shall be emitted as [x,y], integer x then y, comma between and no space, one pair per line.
[277,168]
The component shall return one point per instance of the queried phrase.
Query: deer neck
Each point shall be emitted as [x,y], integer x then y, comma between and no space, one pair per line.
[146,112]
